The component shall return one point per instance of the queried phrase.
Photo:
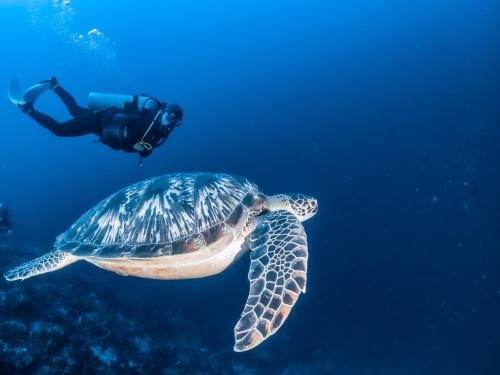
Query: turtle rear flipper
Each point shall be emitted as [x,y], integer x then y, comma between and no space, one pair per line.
[278,274]
[49,262]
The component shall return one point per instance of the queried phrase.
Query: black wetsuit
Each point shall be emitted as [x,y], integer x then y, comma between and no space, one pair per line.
[5,225]
[118,129]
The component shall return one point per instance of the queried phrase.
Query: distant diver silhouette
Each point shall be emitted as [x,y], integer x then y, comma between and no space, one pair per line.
[5,224]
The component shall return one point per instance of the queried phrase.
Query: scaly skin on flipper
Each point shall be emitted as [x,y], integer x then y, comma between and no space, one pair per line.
[46,263]
[278,274]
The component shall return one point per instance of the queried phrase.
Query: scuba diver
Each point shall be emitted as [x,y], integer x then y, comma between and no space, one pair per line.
[131,123]
[5,225]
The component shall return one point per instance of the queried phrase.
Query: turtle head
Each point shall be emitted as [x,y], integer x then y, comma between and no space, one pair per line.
[302,206]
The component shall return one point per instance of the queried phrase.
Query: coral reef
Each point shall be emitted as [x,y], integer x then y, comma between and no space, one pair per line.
[66,325]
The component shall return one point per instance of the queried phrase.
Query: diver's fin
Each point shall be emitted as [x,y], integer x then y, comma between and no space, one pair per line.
[34,91]
[15,93]
[17,97]
[49,262]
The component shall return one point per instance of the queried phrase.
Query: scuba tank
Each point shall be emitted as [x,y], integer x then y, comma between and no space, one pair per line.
[127,103]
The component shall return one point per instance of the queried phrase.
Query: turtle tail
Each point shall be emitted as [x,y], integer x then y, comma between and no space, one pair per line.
[49,262]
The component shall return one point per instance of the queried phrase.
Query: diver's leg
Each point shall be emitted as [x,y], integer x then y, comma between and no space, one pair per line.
[73,107]
[81,125]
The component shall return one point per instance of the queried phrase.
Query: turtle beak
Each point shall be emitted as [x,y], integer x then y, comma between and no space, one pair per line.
[314,204]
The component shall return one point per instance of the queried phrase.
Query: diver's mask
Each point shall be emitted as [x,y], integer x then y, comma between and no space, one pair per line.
[170,119]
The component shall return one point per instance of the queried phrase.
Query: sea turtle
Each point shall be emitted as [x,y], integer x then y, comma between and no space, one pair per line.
[194,225]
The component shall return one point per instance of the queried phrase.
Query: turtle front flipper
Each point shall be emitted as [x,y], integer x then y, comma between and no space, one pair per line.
[46,263]
[278,274]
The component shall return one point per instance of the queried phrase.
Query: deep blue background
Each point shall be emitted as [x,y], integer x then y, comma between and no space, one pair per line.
[386,111]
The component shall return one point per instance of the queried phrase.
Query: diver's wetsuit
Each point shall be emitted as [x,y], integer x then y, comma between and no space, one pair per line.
[84,120]
[118,129]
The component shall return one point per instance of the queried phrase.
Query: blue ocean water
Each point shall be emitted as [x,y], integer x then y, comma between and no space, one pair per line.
[387,112]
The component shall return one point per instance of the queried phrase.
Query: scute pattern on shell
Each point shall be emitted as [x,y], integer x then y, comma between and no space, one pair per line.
[155,213]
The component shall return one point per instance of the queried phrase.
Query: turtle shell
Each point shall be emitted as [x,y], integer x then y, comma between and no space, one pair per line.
[164,215]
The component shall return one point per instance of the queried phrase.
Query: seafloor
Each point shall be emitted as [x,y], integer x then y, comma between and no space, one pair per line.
[65,323]
[70,323]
